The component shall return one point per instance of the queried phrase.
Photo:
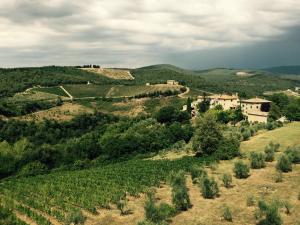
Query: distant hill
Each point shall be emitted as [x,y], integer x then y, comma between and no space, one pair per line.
[284,69]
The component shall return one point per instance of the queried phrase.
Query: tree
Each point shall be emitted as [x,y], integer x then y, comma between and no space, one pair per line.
[208,134]
[189,105]
[293,110]
[237,115]
[204,105]
[275,112]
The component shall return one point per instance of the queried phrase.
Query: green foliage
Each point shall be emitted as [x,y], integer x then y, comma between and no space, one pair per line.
[229,147]
[209,188]
[293,110]
[18,79]
[33,168]
[198,173]
[270,214]
[180,196]
[270,150]
[157,213]
[284,164]
[227,180]
[169,114]
[75,217]
[246,134]
[293,153]
[257,160]
[208,134]
[189,105]
[241,170]
[7,217]
[227,214]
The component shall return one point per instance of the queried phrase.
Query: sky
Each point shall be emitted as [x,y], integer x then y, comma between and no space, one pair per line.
[194,34]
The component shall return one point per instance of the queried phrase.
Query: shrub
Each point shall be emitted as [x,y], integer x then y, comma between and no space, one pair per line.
[241,170]
[197,174]
[293,154]
[227,215]
[284,164]
[180,196]
[227,180]
[257,160]
[157,214]
[75,217]
[228,148]
[33,168]
[278,177]
[270,152]
[270,213]
[246,134]
[209,188]
[250,200]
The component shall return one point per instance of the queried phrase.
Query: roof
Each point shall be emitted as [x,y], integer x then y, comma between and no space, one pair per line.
[255,100]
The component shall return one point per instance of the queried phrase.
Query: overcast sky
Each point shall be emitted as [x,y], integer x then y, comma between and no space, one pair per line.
[132,33]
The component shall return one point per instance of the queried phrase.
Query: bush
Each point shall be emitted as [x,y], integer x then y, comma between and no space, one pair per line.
[228,148]
[75,217]
[269,153]
[293,154]
[197,174]
[209,188]
[257,160]
[270,213]
[180,196]
[227,180]
[241,170]
[227,215]
[278,177]
[157,214]
[33,168]
[250,200]
[246,134]
[284,164]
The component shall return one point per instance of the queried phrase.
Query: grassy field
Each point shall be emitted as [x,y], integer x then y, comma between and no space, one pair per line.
[288,135]
[84,90]
[51,90]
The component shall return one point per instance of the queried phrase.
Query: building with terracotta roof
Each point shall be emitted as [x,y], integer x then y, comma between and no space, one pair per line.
[226,101]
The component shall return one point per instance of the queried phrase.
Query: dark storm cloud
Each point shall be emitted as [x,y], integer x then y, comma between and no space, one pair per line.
[132,33]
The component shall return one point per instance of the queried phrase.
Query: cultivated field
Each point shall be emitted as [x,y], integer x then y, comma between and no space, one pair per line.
[117,74]
[54,196]
[84,90]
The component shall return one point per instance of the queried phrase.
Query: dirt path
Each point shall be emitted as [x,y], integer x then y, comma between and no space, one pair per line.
[181,95]
[24,218]
[70,96]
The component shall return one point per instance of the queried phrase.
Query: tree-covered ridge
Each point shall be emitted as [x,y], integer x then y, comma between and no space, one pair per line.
[19,79]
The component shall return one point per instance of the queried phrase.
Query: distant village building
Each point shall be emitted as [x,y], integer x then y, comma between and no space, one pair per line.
[297,89]
[256,109]
[172,82]
[147,84]
[226,101]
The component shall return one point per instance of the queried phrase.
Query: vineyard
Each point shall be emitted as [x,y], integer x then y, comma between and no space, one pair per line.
[59,194]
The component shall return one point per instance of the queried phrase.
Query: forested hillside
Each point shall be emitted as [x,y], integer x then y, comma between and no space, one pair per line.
[18,79]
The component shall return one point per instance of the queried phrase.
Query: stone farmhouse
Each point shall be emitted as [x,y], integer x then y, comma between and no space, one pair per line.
[255,109]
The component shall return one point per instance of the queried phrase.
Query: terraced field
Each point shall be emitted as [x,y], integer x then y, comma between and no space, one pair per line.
[51,90]
[59,194]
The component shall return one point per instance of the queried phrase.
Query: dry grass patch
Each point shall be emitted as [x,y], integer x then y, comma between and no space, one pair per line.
[65,112]
[117,74]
